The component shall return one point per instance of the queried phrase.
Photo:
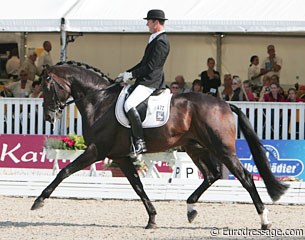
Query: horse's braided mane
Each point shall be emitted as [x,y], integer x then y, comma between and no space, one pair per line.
[86,66]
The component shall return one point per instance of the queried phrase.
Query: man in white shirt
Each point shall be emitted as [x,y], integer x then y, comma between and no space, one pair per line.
[29,65]
[272,65]
[13,65]
[45,57]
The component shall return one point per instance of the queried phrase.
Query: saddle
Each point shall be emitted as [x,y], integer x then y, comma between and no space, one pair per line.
[154,111]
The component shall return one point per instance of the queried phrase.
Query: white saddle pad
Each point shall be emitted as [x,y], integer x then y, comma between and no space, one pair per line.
[157,113]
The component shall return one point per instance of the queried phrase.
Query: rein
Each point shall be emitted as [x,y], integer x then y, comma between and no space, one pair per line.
[52,77]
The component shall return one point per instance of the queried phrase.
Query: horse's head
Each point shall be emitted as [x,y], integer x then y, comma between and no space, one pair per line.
[56,90]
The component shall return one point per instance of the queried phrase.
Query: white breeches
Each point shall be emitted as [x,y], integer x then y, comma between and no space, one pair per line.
[137,96]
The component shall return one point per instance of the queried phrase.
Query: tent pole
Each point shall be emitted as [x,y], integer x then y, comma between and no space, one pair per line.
[23,46]
[63,41]
[219,37]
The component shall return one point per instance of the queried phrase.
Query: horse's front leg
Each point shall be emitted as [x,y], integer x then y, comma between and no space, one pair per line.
[131,173]
[83,161]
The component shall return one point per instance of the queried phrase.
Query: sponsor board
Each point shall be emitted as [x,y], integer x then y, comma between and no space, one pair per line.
[286,158]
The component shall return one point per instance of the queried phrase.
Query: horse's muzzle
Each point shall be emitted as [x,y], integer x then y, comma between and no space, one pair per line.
[49,117]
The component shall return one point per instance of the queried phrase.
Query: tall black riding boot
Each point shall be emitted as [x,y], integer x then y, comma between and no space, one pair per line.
[137,133]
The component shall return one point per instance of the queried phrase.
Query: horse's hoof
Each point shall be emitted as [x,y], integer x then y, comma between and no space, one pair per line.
[37,204]
[266,226]
[192,215]
[151,226]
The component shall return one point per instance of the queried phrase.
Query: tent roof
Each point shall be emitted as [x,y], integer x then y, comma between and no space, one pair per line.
[127,15]
[33,15]
[189,16]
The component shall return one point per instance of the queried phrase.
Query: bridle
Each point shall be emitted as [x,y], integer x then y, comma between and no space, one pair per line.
[54,85]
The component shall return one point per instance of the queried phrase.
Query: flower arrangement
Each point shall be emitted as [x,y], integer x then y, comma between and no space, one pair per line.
[70,142]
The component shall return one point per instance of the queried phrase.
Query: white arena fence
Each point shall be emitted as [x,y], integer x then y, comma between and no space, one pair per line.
[25,116]
[270,120]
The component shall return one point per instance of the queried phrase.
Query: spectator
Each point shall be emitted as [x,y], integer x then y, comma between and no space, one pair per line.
[292,96]
[174,87]
[227,91]
[272,64]
[272,94]
[196,86]
[254,74]
[36,90]
[183,87]
[45,58]
[210,79]
[21,88]
[275,78]
[251,96]
[238,92]
[13,65]
[29,65]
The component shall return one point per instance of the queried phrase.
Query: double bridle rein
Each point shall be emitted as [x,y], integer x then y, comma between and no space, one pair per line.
[59,106]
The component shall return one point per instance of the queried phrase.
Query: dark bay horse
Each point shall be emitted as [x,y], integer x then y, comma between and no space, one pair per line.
[203,125]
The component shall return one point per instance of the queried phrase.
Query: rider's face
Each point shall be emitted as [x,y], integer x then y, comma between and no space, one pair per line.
[152,25]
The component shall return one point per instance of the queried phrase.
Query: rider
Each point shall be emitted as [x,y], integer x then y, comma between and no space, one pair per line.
[148,74]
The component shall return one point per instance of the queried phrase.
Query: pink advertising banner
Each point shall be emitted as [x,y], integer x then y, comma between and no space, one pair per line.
[23,151]
[26,151]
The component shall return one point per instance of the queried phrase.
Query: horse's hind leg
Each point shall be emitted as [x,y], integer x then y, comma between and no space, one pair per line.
[130,172]
[83,161]
[211,170]
[246,179]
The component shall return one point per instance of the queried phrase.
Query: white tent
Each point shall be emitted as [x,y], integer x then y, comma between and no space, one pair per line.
[127,15]
[33,15]
[189,16]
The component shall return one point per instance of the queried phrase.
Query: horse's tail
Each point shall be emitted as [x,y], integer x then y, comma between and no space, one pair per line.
[274,187]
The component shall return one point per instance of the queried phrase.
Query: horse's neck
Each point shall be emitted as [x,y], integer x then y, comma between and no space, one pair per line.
[94,106]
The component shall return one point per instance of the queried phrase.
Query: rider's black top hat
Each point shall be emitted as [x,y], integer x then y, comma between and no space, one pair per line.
[155,14]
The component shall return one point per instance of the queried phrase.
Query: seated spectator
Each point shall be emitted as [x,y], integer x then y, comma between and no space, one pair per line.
[227,91]
[251,96]
[266,81]
[271,94]
[36,90]
[21,88]
[275,78]
[183,87]
[174,87]
[292,96]
[238,92]
[196,86]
